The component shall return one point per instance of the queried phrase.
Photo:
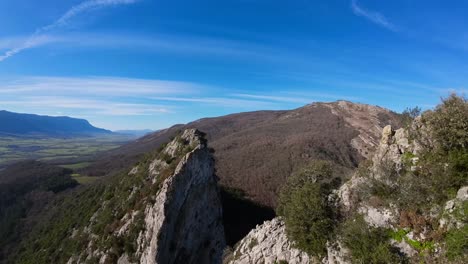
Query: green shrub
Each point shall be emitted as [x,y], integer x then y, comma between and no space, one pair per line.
[438,178]
[409,114]
[449,123]
[368,244]
[308,216]
[407,158]
[420,246]
[457,243]
[316,171]
[398,235]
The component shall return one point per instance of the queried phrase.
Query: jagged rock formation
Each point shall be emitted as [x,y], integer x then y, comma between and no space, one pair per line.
[368,120]
[448,220]
[267,244]
[179,218]
[184,225]
[396,154]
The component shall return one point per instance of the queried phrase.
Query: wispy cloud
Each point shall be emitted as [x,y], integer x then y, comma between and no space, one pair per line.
[95,86]
[114,98]
[38,37]
[58,104]
[225,101]
[373,16]
[276,98]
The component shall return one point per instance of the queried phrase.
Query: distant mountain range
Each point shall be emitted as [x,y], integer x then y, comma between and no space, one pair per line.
[30,124]
[135,133]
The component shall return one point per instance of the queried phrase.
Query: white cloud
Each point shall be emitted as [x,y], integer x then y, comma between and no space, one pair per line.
[33,41]
[373,16]
[220,101]
[277,98]
[82,8]
[38,38]
[96,86]
[56,104]
[104,96]
[114,96]
[184,44]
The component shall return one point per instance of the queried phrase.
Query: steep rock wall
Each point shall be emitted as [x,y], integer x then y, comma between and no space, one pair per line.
[184,225]
[171,206]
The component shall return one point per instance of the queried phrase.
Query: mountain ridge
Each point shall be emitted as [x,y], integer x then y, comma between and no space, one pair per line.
[251,147]
[32,124]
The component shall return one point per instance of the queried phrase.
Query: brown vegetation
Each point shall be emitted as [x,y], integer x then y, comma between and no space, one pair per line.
[257,151]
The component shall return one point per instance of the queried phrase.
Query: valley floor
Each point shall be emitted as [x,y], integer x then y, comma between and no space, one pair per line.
[72,153]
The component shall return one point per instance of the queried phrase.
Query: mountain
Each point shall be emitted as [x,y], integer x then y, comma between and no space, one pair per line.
[406,203]
[30,124]
[135,133]
[256,151]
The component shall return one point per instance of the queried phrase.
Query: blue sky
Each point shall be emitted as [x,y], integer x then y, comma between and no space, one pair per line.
[134,64]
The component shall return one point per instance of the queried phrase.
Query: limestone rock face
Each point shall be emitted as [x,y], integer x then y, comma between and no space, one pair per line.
[452,207]
[388,155]
[184,224]
[386,165]
[268,244]
[179,219]
[347,193]
[336,254]
[367,120]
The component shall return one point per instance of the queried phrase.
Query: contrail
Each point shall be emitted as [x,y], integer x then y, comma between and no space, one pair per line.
[373,16]
[38,38]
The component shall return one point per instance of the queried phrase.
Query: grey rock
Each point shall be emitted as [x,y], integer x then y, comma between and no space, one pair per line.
[183,221]
[184,224]
[268,244]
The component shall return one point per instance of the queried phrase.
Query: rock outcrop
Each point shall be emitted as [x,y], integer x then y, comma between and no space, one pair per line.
[268,244]
[184,225]
[452,208]
[368,120]
[179,217]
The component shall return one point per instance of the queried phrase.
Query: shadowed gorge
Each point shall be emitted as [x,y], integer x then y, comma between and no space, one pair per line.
[240,215]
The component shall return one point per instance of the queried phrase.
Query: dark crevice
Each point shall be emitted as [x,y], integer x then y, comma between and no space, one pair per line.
[241,215]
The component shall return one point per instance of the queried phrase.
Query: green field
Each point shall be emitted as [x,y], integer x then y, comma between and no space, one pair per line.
[74,153]
[83,179]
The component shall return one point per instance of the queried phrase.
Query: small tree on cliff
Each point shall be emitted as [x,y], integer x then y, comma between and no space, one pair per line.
[449,123]
[304,206]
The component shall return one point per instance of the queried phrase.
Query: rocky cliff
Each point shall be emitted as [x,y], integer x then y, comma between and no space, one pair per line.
[267,244]
[166,209]
[383,192]
[184,224]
